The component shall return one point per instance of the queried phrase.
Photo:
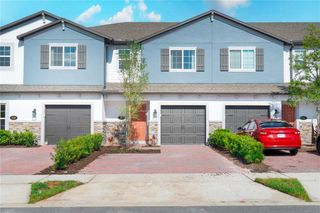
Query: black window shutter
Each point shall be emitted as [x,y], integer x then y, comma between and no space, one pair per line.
[200,60]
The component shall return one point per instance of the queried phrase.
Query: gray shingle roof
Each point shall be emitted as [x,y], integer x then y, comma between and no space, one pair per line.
[5,88]
[206,88]
[116,88]
[128,31]
[294,31]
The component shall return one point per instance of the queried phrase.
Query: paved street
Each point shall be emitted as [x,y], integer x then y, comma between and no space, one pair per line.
[200,209]
[172,159]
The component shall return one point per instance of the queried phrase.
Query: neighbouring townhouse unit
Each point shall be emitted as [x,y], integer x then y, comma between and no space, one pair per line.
[60,79]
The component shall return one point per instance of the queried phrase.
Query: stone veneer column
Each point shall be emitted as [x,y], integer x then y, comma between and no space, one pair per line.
[34,127]
[306,129]
[100,127]
[153,128]
[213,125]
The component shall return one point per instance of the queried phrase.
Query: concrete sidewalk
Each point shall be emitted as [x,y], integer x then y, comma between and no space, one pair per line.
[158,190]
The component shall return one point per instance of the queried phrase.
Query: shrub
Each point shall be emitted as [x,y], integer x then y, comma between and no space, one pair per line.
[72,150]
[25,138]
[5,137]
[244,147]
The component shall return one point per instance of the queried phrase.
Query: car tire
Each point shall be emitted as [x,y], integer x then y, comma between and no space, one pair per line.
[318,146]
[294,152]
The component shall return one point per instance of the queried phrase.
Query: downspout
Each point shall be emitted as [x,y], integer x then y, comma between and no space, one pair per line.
[291,63]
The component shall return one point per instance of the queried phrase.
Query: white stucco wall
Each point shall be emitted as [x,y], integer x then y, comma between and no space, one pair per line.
[112,65]
[215,104]
[286,65]
[14,74]
[22,105]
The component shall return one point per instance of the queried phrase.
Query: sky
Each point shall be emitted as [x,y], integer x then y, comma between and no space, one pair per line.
[97,12]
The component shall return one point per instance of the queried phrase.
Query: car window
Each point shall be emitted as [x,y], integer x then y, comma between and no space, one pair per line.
[274,124]
[252,125]
[246,126]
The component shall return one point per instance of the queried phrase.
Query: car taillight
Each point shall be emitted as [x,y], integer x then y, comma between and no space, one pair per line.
[263,133]
[297,133]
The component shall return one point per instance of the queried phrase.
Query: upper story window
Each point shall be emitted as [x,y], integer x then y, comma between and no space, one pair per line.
[241,59]
[5,55]
[63,56]
[2,116]
[183,59]
[122,54]
[298,53]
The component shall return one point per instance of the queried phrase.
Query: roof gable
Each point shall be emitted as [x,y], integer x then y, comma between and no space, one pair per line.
[212,13]
[28,18]
[62,22]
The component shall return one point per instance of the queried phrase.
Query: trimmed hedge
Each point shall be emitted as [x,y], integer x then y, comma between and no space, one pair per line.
[24,138]
[70,151]
[243,147]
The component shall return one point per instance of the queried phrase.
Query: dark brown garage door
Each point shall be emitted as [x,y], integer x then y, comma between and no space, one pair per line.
[237,116]
[66,121]
[183,124]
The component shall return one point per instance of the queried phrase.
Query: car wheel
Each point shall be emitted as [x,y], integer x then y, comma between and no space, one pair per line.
[318,146]
[293,152]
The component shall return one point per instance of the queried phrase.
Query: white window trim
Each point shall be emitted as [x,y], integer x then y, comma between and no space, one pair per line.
[242,49]
[118,56]
[63,45]
[8,68]
[182,49]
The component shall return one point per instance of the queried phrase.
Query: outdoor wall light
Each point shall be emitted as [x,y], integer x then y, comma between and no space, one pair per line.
[34,114]
[155,114]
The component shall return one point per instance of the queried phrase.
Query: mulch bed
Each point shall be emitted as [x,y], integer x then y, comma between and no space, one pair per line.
[258,168]
[77,166]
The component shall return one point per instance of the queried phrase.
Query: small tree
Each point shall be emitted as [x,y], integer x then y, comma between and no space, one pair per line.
[135,80]
[305,85]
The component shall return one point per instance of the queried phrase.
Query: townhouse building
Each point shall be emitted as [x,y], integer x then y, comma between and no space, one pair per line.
[60,79]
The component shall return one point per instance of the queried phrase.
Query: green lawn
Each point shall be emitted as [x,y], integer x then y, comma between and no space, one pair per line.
[44,190]
[290,186]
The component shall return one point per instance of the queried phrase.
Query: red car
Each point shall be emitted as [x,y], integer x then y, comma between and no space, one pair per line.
[273,134]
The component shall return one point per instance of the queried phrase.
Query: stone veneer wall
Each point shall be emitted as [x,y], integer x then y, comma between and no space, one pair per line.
[306,130]
[110,129]
[153,128]
[100,127]
[34,127]
[213,125]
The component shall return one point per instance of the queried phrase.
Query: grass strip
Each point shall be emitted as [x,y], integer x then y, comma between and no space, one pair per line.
[44,190]
[290,186]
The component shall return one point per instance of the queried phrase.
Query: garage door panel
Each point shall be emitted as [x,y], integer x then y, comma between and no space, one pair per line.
[236,116]
[66,121]
[183,125]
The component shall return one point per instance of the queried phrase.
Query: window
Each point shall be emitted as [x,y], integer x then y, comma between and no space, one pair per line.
[63,56]
[182,59]
[299,53]
[5,56]
[274,124]
[2,116]
[241,59]
[122,54]
[252,126]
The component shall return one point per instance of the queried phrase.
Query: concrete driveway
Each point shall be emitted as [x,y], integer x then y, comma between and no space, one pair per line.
[172,159]
[24,161]
[304,161]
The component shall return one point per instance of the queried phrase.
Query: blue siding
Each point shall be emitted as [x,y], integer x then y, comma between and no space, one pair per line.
[95,62]
[212,36]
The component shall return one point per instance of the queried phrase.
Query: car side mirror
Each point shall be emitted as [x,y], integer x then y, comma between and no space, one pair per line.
[239,128]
